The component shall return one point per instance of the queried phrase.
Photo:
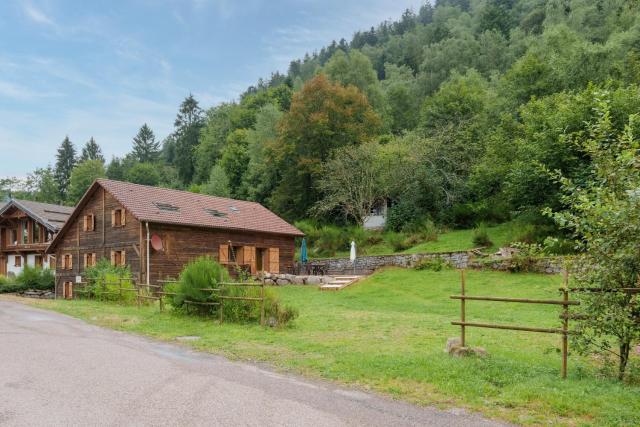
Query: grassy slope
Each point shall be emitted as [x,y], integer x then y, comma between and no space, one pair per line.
[450,241]
[388,333]
[459,240]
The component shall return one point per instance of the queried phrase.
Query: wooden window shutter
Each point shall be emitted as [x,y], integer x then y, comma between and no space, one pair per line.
[84,224]
[250,257]
[70,262]
[93,222]
[86,259]
[113,258]
[113,218]
[223,254]
[274,260]
[123,261]
[123,217]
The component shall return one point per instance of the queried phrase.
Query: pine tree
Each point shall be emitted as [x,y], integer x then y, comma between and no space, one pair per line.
[188,123]
[145,147]
[91,151]
[65,162]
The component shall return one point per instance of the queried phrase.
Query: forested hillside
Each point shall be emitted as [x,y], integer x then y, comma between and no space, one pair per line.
[455,112]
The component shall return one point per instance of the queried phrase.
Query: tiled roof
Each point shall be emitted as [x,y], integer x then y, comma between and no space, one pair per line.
[167,206]
[52,216]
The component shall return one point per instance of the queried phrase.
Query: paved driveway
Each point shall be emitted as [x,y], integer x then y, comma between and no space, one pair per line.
[56,370]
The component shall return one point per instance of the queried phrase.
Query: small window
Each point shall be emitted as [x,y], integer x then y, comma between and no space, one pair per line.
[18,261]
[67,262]
[25,232]
[118,217]
[14,237]
[37,233]
[89,222]
[118,258]
[89,260]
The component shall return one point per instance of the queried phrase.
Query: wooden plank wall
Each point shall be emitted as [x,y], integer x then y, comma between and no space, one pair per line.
[101,241]
[184,244]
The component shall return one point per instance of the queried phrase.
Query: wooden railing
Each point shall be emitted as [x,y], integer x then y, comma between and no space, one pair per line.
[564,302]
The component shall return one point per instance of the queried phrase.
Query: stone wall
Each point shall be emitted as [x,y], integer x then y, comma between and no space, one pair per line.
[462,259]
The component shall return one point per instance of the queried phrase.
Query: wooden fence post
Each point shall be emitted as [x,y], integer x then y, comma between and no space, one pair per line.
[221,302]
[262,303]
[565,324]
[462,310]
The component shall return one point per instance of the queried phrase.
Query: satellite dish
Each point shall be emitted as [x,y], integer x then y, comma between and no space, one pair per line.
[156,242]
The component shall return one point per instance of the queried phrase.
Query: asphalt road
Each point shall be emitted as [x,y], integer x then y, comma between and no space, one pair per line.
[56,370]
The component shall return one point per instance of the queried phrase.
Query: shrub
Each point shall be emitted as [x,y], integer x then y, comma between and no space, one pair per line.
[3,280]
[108,283]
[481,236]
[398,241]
[423,230]
[9,288]
[432,264]
[399,215]
[200,274]
[205,273]
[36,278]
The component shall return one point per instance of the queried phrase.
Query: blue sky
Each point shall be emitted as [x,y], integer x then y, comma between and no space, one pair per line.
[103,68]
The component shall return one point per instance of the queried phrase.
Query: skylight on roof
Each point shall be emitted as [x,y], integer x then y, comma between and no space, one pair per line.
[234,209]
[216,213]
[166,207]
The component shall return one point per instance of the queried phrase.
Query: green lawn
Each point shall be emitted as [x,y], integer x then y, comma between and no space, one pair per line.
[460,240]
[388,333]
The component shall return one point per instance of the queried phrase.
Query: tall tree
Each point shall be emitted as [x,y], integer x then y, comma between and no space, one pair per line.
[43,185]
[65,162]
[188,123]
[91,151]
[145,147]
[82,177]
[324,116]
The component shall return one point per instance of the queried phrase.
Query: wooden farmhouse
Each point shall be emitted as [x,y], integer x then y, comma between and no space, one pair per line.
[26,229]
[156,231]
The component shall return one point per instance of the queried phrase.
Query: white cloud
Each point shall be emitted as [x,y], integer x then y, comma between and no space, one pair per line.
[37,15]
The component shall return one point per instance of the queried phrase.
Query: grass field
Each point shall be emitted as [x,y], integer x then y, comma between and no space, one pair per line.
[460,240]
[388,333]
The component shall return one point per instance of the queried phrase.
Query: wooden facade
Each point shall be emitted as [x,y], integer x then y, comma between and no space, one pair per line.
[101,227]
[26,229]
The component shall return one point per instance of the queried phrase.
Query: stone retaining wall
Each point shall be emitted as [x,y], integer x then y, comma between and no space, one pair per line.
[462,259]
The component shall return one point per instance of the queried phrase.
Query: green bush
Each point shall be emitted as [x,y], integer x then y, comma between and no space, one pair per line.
[9,288]
[36,278]
[432,264]
[398,241]
[205,273]
[3,280]
[108,283]
[200,274]
[481,236]
[400,215]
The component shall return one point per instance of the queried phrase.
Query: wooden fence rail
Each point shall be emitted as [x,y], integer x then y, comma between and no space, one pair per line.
[158,293]
[564,316]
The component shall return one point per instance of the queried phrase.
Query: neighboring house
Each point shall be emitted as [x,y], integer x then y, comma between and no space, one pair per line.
[378,216]
[156,231]
[26,228]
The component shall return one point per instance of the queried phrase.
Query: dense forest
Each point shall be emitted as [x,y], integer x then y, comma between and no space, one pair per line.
[455,112]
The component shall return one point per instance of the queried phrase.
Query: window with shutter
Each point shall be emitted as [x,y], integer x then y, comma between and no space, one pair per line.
[118,217]
[18,261]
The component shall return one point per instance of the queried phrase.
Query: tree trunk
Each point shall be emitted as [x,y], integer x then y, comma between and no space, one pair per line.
[625,347]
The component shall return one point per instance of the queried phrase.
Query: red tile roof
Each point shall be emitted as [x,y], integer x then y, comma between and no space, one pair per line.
[167,206]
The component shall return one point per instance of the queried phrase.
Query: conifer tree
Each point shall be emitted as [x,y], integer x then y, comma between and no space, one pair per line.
[145,147]
[65,162]
[91,151]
